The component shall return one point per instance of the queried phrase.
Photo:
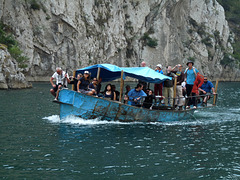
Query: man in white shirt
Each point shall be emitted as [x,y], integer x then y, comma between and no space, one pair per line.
[62,79]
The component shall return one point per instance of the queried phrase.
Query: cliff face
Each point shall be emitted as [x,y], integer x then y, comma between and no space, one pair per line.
[77,33]
[10,75]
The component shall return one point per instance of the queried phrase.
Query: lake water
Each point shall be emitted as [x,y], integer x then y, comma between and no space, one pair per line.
[35,144]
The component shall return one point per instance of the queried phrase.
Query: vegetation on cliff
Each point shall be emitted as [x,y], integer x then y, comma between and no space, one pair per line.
[232,12]
[7,39]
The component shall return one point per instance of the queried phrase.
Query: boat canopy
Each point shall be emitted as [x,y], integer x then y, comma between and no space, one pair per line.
[109,72]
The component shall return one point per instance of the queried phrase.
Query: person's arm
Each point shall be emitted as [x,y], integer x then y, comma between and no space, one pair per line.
[173,69]
[213,90]
[181,79]
[204,92]
[114,96]
[67,77]
[51,81]
[130,95]
[79,82]
[142,94]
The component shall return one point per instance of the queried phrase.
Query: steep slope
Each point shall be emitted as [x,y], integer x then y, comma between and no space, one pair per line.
[73,34]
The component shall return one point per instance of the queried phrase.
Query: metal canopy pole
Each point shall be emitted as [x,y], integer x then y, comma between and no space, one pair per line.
[174,91]
[74,74]
[98,73]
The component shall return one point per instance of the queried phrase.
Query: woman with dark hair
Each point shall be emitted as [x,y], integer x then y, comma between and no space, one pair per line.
[109,93]
[149,99]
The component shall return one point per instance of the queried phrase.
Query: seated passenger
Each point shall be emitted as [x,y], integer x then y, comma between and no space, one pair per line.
[94,84]
[149,99]
[127,89]
[109,93]
[99,85]
[61,80]
[126,98]
[117,92]
[135,95]
[206,89]
[74,81]
[83,83]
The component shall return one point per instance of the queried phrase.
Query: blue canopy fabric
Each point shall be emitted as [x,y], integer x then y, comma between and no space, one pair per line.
[111,72]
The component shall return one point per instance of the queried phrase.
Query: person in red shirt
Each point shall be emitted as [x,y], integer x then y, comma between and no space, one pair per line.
[197,84]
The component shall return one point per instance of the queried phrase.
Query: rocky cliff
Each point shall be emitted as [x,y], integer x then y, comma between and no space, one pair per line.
[10,75]
[77,33]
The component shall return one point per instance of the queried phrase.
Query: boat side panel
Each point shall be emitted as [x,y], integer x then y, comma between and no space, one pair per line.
[89,107]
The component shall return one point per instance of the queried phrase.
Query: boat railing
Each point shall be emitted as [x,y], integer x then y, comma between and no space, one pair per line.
[161,102]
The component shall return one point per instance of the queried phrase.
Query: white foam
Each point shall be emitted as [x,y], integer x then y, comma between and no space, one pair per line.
[53,118]
[80,121]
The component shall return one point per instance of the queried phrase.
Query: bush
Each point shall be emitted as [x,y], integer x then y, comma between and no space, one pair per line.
[152,43]
[12,46]
[35,5]
[227,60]
[149,41]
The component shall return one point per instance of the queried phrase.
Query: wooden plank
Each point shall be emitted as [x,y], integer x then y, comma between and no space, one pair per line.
[121,87]
[215,95]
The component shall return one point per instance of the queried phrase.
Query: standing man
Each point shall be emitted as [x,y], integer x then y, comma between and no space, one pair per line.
[135,95]
[60,77]
[168,86]
[191,74]
[179,92]
[158,87]
[206,89]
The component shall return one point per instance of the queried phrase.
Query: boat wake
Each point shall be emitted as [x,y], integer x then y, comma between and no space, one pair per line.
[199,118]
[80,121]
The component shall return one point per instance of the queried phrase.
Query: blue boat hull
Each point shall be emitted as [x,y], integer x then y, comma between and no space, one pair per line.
[90,107]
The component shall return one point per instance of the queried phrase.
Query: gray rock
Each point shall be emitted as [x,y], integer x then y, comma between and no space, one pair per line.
[85,32]
[10,75]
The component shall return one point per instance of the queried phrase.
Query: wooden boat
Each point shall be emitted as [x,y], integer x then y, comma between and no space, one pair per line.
[90,107]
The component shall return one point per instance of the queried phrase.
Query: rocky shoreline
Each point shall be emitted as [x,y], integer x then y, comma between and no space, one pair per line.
[11,76]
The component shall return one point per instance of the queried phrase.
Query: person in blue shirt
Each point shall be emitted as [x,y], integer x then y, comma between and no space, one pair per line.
[191,74]
[206,89]
[135,95]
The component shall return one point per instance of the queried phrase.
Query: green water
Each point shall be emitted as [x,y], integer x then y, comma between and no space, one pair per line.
[34,144]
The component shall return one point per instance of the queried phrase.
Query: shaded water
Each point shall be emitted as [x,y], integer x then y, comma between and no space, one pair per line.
[34,144]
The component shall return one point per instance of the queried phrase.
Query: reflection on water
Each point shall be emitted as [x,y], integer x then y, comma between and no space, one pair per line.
[35,143]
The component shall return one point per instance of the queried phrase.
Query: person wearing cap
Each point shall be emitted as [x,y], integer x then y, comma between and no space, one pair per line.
[191,75]
[158,87]
[60,76]
[83,83]
[179,101]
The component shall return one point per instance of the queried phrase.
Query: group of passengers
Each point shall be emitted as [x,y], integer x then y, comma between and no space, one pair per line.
[189,84]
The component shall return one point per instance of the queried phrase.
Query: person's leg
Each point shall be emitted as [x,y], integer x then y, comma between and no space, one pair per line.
[171,96]
[176,100]
[194,102]
[160,89]
[165,94]
[53,92]
[180,96]
[57,93]
[189,91]
[155,90]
